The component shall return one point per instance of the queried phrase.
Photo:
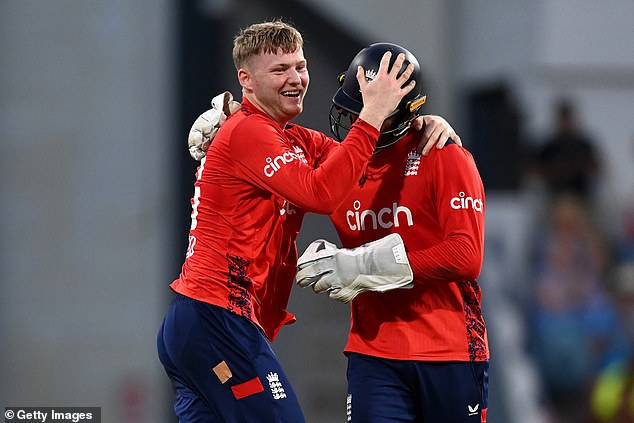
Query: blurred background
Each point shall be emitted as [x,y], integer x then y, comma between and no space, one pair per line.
[96,100]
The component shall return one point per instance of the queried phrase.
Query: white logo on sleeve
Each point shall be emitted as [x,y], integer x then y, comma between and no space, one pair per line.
[464,202]
[274,164]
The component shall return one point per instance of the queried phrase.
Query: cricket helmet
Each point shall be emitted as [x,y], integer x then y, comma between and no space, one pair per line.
[348,101]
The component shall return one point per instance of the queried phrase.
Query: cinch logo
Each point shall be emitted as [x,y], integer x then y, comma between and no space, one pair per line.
[384,218]
[464,202]
[274,164]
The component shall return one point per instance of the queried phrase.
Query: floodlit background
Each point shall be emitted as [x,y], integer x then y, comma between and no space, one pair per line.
[96,99]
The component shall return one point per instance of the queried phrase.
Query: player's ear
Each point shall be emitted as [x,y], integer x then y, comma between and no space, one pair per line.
[244,78]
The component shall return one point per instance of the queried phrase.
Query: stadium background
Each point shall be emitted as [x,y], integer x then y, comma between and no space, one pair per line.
[96,99]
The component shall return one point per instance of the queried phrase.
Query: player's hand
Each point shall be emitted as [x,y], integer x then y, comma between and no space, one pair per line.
[436,131]
[384,90]
[206,126]
[343,273]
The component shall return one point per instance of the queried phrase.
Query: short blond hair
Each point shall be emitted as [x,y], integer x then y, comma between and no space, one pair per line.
[263,38]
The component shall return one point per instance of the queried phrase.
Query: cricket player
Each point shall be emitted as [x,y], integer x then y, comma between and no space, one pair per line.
[413,228]
[257,179]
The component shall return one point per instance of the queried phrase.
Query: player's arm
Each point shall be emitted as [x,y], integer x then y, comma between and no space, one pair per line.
[435,130]
[263,157]
[460,203]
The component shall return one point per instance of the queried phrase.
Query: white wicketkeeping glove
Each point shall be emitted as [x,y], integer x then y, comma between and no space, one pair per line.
[344,273]
[206,126]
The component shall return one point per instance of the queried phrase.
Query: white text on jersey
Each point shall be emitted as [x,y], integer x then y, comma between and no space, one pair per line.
[464,202]
[274,164]
[384,218]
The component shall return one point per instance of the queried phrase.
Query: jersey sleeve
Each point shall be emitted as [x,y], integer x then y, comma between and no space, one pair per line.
[458,195]
[315,174]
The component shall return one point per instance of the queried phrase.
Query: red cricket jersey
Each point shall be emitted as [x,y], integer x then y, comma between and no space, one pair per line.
[250,194]
[437,205]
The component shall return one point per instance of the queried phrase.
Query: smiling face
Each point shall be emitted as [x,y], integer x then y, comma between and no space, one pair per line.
[276,83]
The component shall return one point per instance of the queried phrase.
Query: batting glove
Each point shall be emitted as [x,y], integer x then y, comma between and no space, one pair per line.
[343,273]
[206,126]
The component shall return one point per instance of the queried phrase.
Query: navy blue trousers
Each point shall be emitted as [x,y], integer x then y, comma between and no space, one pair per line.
[222,367]
[391,391]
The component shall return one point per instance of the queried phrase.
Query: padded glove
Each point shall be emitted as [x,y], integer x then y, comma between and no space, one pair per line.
[381,265]
[206,126]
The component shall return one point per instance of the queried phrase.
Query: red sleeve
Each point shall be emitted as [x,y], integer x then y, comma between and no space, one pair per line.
[265,157]
[459,199]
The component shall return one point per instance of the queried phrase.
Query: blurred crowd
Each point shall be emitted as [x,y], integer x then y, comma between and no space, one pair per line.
[580,307]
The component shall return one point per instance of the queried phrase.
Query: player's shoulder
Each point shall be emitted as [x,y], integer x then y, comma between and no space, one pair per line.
[311,140]
[299,131]
[450,151]
[246,127]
